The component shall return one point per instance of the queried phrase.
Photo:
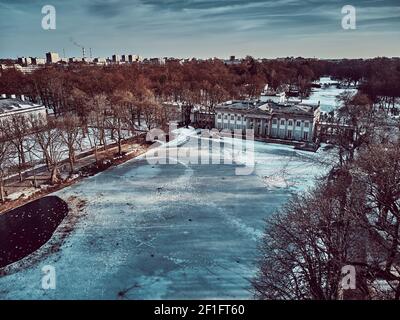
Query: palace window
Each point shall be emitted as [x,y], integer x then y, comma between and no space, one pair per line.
[282,122]
[306,124]
[298,124]
[290,123]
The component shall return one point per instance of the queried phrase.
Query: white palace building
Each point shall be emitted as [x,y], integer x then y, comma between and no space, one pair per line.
[19,106]
[273,118]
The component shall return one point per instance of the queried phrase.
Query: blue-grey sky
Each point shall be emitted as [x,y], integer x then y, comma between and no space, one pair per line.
[202,28]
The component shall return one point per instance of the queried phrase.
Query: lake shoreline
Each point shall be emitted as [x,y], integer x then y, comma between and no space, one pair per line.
[26,229]
[91,170]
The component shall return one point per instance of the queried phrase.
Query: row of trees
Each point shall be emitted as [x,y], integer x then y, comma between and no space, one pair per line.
[200,82]
[207,83]
[350,218]
[26,140]
[378,78]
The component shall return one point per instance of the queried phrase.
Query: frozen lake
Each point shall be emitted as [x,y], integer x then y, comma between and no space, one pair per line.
[326,96]
[167,231]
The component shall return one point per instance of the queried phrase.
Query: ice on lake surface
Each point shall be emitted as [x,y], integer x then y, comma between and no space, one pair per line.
[168,231]
[326,96]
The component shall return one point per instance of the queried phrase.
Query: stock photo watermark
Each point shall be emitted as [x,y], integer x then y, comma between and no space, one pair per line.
[49,19]
[204,147]
[349,20]
[49,278]
[349,278]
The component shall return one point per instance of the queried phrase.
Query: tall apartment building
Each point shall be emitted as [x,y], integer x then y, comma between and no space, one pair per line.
[52,57]
[38,61]
[116,58]
[24,61]
[133,58]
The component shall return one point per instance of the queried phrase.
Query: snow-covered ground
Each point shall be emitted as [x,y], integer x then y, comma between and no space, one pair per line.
[167,231]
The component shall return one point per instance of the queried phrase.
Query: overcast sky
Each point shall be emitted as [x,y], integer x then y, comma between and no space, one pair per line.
[202,28]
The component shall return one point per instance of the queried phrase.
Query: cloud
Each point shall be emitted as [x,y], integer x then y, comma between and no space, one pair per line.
[106,9]
[195,27]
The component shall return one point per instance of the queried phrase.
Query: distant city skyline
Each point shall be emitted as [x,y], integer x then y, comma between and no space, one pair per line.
[201,28]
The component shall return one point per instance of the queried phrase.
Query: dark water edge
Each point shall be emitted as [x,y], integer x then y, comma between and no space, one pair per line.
[25,229]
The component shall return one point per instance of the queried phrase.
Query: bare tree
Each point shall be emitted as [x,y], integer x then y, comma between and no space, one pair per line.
[5,154]
[47,135]
[127,109]
[117,124]
[354,123]
[70,135]
[100,105]
[121,99]
[15,130]
[152,114]
[378,168]
[95,134]
[306,245]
